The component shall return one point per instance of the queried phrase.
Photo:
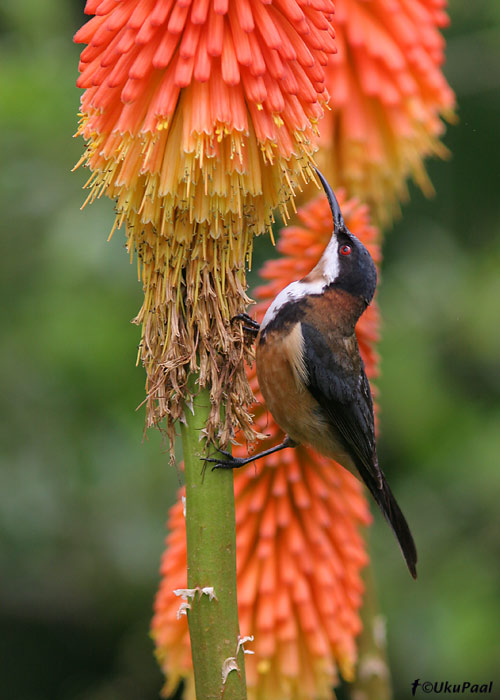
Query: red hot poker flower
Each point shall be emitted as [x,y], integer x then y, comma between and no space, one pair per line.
[388,96]
[199,120]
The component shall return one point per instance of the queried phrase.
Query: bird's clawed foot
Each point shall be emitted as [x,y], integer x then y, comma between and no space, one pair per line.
[236,462]
[229,463]
[251,326]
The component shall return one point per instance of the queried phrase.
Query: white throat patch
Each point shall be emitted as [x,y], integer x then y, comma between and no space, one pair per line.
[329,262]
[325,272]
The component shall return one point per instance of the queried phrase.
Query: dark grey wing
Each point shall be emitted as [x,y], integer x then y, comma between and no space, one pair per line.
[339,384]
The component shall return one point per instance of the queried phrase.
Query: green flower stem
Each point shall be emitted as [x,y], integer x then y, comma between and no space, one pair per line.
[211,562]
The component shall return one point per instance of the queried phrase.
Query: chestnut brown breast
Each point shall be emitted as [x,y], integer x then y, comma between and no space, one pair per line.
[282,379]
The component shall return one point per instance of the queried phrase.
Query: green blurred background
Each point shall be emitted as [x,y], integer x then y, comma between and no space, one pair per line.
[83,499]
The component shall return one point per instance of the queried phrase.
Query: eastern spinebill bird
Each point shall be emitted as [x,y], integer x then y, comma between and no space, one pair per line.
[311,373]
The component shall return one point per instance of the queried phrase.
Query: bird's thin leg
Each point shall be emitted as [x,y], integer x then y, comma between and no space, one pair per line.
[236,462]
[252,326]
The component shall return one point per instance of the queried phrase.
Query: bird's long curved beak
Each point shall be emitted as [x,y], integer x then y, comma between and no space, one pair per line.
[338,219]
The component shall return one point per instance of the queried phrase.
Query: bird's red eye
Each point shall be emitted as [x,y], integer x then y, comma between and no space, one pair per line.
[345,249]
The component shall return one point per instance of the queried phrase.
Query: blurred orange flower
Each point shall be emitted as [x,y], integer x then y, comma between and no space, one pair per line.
[298,520]
[199,120]
[388,97]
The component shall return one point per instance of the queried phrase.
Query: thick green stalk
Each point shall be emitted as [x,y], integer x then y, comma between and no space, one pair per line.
[211,561]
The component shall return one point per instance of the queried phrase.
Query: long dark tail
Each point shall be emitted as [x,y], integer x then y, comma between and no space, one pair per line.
[392,513]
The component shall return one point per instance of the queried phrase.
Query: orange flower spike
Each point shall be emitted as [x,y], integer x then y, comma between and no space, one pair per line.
[200,120]
[388,97]
[299,547]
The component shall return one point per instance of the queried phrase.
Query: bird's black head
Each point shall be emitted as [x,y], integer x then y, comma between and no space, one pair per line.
[346,263]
